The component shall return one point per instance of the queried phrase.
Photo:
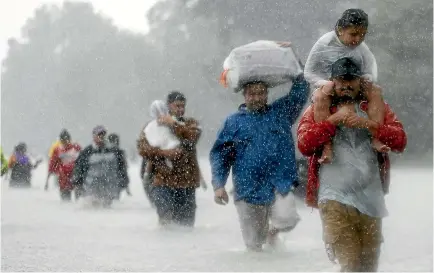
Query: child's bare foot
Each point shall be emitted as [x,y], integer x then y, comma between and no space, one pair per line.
[380,147]
[327,154]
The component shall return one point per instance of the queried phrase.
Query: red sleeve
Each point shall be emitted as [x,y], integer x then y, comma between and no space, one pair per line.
[392,133]
[54,164]
[312,136]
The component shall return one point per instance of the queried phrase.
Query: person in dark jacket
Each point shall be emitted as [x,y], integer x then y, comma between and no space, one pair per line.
[100,170]
[114,141]
[21,167]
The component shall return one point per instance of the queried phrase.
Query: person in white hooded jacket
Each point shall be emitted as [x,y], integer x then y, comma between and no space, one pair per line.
[346,40]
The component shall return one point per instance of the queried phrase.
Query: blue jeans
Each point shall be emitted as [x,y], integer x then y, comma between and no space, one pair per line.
[175,205]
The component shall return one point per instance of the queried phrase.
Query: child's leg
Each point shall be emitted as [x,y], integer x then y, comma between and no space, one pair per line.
[375,104]
[376,112]
[322,102]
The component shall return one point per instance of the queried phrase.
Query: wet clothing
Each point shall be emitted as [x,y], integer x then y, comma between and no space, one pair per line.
[254,223]
[56,144]
[355,238]
[327,50]
[184,172]
[259,148]
[175,205]
[62,164]
[313,135]
[21,170]
[173,188]
[147,182]
[353,177]
[100,171]
[350,190]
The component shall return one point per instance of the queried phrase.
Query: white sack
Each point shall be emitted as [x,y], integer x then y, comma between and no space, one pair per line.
[264,61]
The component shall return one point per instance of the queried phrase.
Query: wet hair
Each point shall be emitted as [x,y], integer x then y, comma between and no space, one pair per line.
[251,83]
[113,139]
[64,135]
[352,17]
[21,147]
[175,96]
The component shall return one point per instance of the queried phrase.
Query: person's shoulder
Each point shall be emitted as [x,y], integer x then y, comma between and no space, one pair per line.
[326,38]
[235,118]
[88,149]
[238,114]
[57,148]
[365,48]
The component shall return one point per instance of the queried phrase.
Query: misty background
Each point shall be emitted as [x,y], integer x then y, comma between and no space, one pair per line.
[73,68]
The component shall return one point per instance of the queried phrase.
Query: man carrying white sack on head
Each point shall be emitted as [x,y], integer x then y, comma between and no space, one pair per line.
[257,144]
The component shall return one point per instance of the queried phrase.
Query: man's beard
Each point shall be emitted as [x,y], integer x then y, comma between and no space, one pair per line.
[343,99]
[346,98]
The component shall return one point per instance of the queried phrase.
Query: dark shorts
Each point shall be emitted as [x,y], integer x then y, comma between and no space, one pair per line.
[175,205]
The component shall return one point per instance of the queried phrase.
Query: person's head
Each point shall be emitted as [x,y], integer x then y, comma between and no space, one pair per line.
[176,103]
[113,139]
[65,137]
[99,133]
[255,95]
[352,27]
[158,108]
[346,75]
[21,148]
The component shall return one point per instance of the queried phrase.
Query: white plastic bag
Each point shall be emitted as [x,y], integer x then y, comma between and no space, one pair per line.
[158,108]
[327,50]
[284,215]
[160,136]
[264,61]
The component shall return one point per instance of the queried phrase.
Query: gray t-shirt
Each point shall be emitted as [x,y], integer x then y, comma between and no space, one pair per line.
[353,177]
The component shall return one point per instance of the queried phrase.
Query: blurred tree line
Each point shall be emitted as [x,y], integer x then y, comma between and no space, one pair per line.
[74,69]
